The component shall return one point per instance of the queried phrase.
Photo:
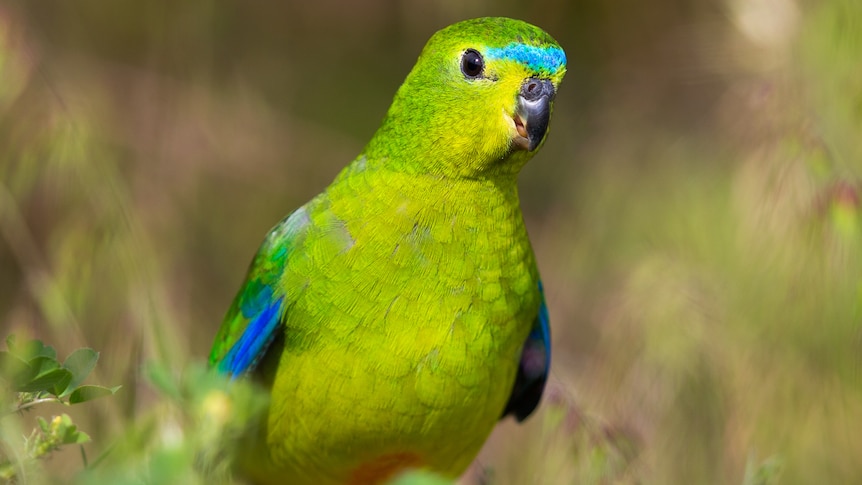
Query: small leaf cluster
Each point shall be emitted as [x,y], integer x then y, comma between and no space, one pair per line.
[50,436]
[32,374]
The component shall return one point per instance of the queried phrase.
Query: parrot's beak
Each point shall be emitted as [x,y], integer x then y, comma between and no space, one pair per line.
[533,113]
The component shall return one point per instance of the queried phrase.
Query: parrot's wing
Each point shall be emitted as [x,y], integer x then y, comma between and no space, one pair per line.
[252,322]
[534,366]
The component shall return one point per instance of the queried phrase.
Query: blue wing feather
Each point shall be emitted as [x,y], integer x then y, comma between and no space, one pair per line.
[244,355]
[534,366]
[253,321]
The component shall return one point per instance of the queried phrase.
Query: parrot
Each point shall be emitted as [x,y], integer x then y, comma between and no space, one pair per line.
[398,315]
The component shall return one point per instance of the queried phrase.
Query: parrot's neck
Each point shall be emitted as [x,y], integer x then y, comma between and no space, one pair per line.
[452,194]
[449,145]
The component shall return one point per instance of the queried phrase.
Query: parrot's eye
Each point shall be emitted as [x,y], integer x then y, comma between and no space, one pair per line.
[472,64]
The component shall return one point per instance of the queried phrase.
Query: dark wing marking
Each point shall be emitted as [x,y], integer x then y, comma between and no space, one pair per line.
[533,368]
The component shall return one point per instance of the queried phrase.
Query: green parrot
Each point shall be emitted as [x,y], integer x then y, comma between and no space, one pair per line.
[399,314]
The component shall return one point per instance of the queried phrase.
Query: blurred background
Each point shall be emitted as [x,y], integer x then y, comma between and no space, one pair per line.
[695,211]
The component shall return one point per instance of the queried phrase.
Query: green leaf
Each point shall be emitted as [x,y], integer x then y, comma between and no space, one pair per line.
[80,363]
[78,438]
[88,393]
[42,365]
[72,436]
[51,381]
[15,370]
[29,349]
[43,424]
[60,387]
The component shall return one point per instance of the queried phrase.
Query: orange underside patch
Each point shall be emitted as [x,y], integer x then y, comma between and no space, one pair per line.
[383,468]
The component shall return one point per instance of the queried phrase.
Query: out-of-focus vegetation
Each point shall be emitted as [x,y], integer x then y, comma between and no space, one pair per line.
[30,376]
[695,212]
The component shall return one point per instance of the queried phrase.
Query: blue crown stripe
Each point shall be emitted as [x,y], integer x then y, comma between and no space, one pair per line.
[549,59]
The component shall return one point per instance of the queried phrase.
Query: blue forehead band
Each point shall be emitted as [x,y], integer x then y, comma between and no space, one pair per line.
[543,59]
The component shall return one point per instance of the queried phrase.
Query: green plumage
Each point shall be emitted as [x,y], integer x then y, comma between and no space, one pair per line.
[401,297]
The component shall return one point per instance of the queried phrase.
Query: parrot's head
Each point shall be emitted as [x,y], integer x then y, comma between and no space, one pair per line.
[477,103]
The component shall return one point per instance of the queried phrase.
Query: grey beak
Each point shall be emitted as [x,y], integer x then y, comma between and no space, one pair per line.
[534,109]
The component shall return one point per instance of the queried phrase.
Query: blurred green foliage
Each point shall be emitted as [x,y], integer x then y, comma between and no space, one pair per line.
[695,212]
[31,375]
[188,437]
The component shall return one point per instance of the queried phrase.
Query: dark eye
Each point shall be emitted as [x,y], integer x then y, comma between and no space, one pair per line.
[472,64]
